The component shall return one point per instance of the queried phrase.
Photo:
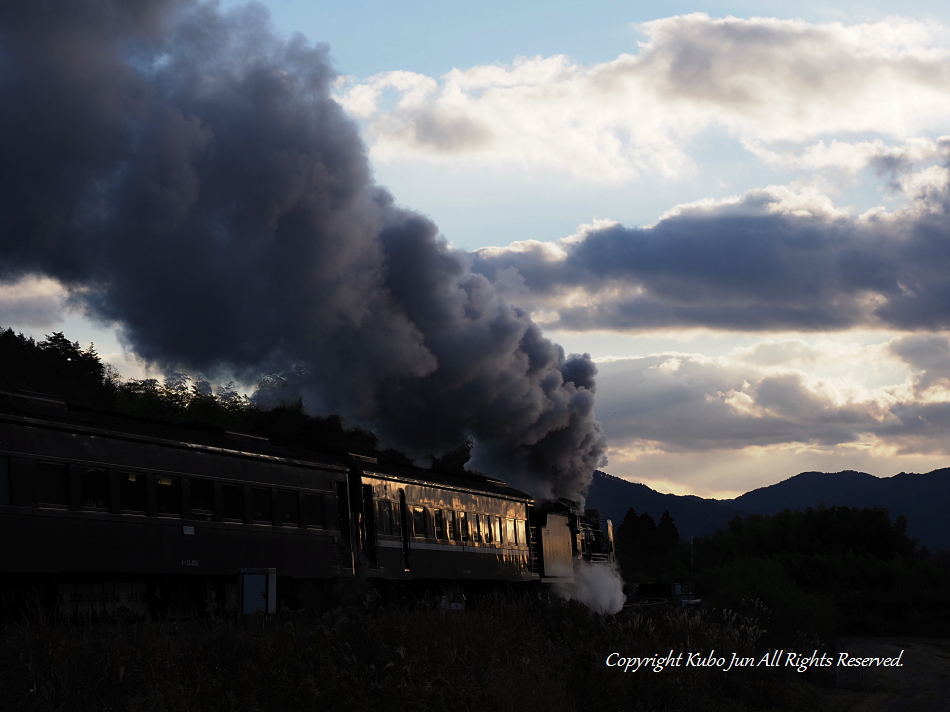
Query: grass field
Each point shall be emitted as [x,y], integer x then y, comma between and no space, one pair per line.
[514,652]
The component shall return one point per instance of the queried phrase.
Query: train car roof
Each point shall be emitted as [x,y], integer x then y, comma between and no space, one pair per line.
[473,483]
[51,412]
[42,410]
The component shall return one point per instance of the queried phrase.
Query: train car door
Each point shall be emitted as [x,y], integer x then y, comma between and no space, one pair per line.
[369,521]
[404,528]
[358,528]
[344,521]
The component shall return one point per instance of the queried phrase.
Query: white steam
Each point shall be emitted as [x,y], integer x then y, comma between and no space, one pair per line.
[597,586]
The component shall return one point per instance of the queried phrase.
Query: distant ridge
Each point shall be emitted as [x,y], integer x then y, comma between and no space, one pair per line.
[922,498]
[693,515]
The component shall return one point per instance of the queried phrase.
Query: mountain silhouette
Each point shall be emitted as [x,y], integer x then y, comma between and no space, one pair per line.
[921,498]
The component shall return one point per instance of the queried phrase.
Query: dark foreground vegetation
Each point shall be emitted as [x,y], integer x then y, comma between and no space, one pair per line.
[831,571]
[514,652]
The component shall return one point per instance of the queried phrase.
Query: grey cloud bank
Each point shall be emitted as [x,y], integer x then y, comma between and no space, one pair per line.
[685,403]
[759,263]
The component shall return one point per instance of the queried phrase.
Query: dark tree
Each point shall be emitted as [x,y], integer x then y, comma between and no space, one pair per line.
[666,533]
[56,367]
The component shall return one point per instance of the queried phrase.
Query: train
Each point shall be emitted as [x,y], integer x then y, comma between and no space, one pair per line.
[106,513]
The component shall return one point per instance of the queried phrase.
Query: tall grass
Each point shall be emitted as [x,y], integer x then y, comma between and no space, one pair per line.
[514,652]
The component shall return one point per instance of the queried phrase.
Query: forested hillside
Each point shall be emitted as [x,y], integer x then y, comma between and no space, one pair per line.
[60,368]
[817,573]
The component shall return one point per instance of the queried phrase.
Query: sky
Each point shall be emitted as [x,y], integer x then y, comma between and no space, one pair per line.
[738,210]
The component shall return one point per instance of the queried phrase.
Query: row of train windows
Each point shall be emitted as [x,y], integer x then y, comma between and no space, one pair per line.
[447,524]
[209,500]
[128,492]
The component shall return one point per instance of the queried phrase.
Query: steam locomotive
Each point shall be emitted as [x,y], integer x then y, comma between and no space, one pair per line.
[109,513]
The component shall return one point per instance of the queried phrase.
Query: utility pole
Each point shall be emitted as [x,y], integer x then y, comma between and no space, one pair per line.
[691,568]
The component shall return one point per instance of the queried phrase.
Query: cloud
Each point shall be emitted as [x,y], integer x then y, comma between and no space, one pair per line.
[32,303]
[850,157]
[770,260]
[766,81]
[759,399]
[686,402]
[929,356]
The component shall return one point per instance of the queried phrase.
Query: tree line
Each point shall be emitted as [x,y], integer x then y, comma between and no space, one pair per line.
[62,369]
[818,573]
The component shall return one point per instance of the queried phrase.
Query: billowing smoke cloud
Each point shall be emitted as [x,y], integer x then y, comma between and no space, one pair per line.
[186,174]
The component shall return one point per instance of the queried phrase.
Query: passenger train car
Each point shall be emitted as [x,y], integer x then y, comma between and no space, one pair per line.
[106,512]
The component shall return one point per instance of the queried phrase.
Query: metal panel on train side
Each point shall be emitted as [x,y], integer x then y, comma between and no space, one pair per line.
[444,558]
[59,541]
[69,537]
[557,555]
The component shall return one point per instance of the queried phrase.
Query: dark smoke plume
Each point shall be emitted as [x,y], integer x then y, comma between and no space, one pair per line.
[186,174]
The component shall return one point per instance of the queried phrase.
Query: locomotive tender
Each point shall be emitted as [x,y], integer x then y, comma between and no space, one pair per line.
[107,512]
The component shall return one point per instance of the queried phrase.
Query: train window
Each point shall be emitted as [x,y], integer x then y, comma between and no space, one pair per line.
[486,528]
[451,529]
[521,532]
[133,492]
[313,504]
[475,519]
[168,496]
[4,481]
[94,488]
[496,529]
[510,531]
[463,526]
[202,499]
[53,480]
[262,505]
[232,503]
[289,508]
[384,518]
[419,522]
[439,524]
